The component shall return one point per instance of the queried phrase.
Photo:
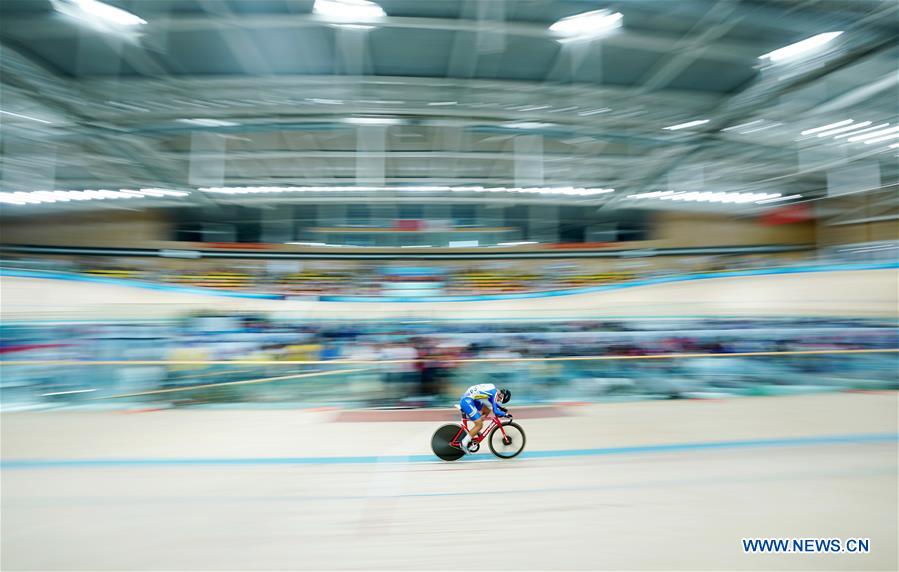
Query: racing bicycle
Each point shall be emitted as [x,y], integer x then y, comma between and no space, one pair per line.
[505,438]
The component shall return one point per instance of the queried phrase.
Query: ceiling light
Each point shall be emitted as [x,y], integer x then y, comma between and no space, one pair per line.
[827,127]
[854,133]
[208,122]
[894,145]
[325,101]
[881,139]
[586,25]
[94,11]
[762,128]
[799,48]
[574,191]
[742,125]
[594,111]
[37,197]
[778,199]
[163,193]
[873,134]
[23,116]
[686,125]
[705,196]
[517,243]
[844,129]
[436,103]
[348,10]
[527,125]
[373,120]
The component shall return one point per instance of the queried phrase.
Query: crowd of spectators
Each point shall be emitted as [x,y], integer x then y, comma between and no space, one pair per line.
[427,362]
[372,279]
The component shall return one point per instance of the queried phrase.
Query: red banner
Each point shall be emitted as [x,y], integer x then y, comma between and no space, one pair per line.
[789,214]
[408,224]
[580,245]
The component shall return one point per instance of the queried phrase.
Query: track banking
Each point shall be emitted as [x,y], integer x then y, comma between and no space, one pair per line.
[806,545]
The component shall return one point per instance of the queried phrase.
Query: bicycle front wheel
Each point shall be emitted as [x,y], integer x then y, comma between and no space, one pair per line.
[508,445]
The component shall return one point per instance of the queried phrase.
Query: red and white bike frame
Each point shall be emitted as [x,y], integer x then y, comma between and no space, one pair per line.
[494,421]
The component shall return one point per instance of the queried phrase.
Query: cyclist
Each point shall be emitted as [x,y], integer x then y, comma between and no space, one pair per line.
[473,408]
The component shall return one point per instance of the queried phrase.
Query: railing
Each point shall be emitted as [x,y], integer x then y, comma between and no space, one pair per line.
[361,383]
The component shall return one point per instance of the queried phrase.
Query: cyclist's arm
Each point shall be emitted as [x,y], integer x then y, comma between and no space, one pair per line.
[498,410]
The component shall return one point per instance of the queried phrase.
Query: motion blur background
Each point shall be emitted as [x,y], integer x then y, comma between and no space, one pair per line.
[287,234]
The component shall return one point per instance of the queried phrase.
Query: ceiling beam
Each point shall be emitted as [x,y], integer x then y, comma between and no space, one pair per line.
[659,42]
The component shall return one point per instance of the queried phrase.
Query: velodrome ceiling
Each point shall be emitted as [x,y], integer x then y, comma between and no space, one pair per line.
[275,101]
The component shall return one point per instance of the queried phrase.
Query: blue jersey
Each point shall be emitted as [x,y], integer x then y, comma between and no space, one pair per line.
[477,393]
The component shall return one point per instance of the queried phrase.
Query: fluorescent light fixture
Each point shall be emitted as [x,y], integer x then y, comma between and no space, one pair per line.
[854,133]
[844,129]
[348,10]
[705,196]
[571,191]
[533,108]
[373,120]
[778,199]
[827,127]
[586,25]
[594,111]
[441,103]
[894,146]
[463,244]
[163,193]
[325,101]
[94,11]
[23,116]
[39,197]
[422,189]
[67,392]
[873,134]
[686,125]
[881,139]
[208,122]
[759,125]
[517,243]
[800,48]
[762,128]
[742,125]
[527,125]
[308,243]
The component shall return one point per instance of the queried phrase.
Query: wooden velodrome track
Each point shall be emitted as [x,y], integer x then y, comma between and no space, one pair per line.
[860,293]
[639,486]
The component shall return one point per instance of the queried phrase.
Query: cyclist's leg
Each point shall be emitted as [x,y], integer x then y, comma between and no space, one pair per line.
[482,416]
[471,409]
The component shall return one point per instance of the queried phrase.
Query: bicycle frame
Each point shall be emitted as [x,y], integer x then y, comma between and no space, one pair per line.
[493,422]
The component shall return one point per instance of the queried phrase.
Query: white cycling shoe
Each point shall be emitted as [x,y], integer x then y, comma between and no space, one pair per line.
[468,446]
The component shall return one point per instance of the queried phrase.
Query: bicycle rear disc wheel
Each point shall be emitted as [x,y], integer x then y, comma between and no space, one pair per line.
[510,445]
[440,443]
